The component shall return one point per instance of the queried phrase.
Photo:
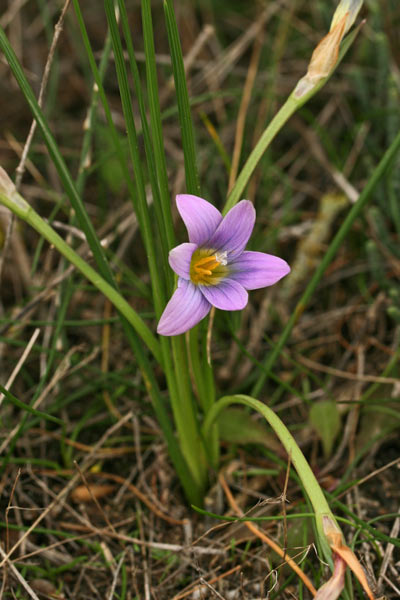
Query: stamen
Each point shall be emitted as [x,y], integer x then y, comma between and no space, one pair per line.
[207,269]
[206,265]
[210,261]
[202,271]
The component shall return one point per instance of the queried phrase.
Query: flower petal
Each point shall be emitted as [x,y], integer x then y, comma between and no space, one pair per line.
[226,295]
[179,259]
[233,233]
[200,217]
[257,270]
[185,309]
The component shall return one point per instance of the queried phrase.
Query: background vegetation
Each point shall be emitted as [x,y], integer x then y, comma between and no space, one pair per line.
[115,523]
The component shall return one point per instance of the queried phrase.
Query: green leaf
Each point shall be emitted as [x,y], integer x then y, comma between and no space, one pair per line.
[239,427]
[109,165]
[324,417]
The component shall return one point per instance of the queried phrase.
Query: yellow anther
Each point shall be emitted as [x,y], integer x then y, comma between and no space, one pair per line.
[206,264]
[207,268]
[201,270]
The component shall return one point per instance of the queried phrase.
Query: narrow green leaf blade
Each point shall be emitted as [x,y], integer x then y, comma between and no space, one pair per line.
[182,95]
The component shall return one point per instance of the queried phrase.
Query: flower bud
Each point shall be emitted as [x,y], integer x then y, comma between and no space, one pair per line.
[349,7]
[325,55]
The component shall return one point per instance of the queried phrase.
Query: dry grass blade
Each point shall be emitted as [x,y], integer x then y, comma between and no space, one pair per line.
[312,364]
[244,106]
[254,529]
[115,577]
[143,498]
[20,363]
[389,551]
[18,575]
[193,585]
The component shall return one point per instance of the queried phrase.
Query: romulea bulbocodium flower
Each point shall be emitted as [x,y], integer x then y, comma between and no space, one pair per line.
[213,268]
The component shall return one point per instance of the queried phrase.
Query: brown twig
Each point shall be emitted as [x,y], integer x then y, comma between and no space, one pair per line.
[254,529]
[142,498]
[344,374]
[192,586]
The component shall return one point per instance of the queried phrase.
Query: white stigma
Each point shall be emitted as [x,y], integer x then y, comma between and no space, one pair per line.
[221,257]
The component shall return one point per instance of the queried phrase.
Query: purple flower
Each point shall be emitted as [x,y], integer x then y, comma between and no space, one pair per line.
[213,267]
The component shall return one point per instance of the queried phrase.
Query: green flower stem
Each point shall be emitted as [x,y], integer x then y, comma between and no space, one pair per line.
[307,477]
[185,416]
[282,116]
[16,203]
[204,384]
[191,439]
[337,241]
[197,368]
[188,483]
[178,384]
[291,105]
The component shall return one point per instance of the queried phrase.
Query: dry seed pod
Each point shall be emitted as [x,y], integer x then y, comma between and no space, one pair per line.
[88,494]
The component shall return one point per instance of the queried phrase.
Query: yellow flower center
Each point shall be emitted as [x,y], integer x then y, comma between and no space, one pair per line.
[208,267]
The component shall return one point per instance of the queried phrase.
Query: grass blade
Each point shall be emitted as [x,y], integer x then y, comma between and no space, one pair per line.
[29,409]
[155,115]
[185,117]
[142,207]
[162,210]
